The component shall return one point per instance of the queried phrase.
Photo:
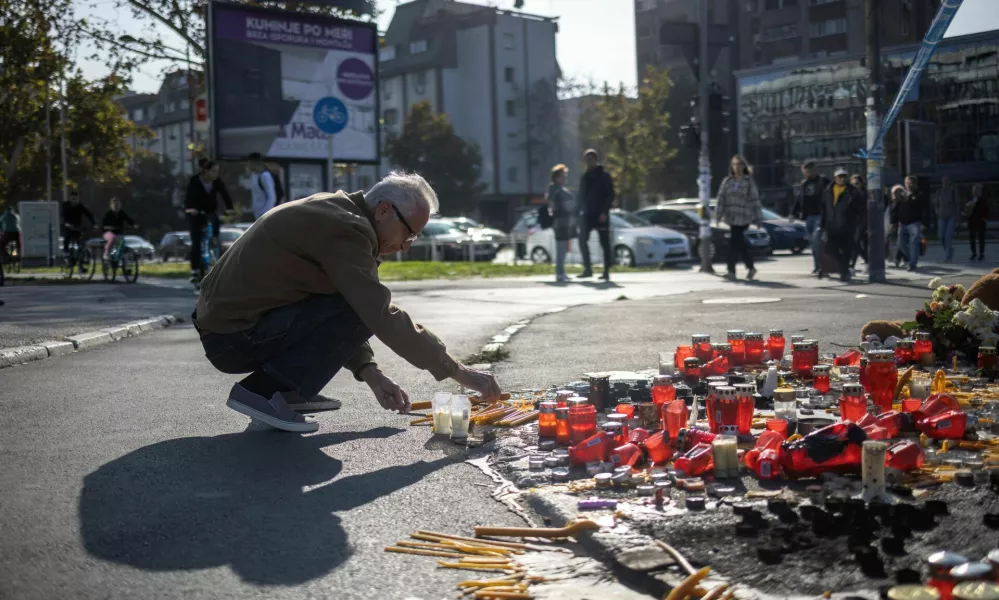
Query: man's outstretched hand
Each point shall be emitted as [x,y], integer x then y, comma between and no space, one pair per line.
[480,381]
[387,392]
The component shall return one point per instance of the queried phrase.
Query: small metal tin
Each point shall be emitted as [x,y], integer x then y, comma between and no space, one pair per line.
[546,444]
[625,470]
[661,476]
[971,571]
[645,489]
[621,479]
[560,453]
[551,461]
[593,468]
[606,467]
[695,502]
[603,479]
[637,479]
[560,475]
[536,463]
[664,484]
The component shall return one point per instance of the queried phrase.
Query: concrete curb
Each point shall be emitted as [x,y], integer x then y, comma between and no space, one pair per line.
[84,341]
[502,338]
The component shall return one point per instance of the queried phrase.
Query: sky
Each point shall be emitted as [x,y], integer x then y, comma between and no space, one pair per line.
[596,38]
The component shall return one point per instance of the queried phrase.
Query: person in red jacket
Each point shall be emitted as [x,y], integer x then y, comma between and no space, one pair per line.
[978,219]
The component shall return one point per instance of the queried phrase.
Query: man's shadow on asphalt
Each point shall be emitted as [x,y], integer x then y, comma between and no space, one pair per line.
[235,499]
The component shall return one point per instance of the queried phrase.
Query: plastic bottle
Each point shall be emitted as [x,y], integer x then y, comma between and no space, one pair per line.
[852,404]
[771,382]
[546,419]
[695,462]
[701,342]
[737,339]
[906,455]
[835,448]
[776,344]
[594,448]
[948,425]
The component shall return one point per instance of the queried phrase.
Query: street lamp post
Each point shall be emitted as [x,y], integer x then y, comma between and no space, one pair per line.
[704,162]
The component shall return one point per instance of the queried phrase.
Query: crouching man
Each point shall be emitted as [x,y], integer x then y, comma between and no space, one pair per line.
[296,298]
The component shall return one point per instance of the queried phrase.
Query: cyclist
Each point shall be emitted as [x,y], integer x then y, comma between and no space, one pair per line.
[113,224]
[10,230]
[205,192]
[73,213]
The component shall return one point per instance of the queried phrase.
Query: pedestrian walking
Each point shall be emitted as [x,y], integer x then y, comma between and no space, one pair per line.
[562,206]
[840,214]
[206,198]
[860,241]
[596,195]
[948,207]
[10,231]
[263,188]
[808,206]
[910,213]
[298,295]
[977,211]
[739,206]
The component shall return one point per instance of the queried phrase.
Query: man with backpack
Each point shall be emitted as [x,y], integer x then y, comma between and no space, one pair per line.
[265,186]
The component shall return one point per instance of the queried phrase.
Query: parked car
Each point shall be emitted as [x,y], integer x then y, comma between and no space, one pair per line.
[228,237]
[477,231]
[526,225]
[451,243]
[175,244]
[634,242]
[140,245]
[685,219]
[784,234]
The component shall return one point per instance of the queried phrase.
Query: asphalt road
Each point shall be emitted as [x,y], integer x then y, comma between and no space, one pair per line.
[125,476]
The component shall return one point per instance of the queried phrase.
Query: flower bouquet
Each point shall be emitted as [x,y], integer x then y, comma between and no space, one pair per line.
[955,329]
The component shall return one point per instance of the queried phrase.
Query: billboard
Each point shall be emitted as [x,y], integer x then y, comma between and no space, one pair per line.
[268,69]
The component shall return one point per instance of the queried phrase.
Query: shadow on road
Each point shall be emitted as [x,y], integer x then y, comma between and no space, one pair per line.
[235,499]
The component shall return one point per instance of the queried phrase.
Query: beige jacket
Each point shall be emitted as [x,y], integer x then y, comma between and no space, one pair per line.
[323,244]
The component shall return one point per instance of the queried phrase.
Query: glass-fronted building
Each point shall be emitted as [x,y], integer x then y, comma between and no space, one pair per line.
[789,114]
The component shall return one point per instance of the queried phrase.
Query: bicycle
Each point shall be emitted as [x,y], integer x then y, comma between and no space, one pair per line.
[11,257]
[78,258]
[121,257]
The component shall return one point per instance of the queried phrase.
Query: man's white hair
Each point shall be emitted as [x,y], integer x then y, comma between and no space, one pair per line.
[407,191]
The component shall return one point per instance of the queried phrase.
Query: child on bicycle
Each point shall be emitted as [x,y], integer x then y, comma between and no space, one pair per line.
[113,224]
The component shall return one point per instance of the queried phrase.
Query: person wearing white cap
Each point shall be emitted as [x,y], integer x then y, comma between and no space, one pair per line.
[841,204]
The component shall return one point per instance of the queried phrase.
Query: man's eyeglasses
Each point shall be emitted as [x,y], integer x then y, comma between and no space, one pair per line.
[412,234]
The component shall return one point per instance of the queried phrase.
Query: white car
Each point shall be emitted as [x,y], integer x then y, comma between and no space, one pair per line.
[634,242]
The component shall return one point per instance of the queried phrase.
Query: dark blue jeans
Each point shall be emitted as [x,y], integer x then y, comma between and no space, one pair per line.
[302,345]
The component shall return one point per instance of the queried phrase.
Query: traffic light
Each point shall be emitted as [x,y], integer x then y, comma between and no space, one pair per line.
[718,109]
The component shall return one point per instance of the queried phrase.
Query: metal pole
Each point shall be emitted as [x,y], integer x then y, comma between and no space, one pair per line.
[704,163]
[48,171]
[875,200]
[62,142]
[330,180]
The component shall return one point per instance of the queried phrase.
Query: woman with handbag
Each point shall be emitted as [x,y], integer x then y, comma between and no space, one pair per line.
[739,206]
[562,206]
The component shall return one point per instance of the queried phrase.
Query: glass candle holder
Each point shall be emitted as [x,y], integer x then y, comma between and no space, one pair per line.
[562,435]
[682,353]
[776,344]
[803,357]
[737,339]
[852,404]
[582,422]
[663,390]
[546,419]
[722,349]
[675,415]
[786,404]
[820,374]
[723,411]
[701,342]
[754,348]
[746,405]
[923,346]
[692,370]
[882,376]
[986,357]
[905,351]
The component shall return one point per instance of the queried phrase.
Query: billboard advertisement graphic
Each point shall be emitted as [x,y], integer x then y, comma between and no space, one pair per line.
[270,68]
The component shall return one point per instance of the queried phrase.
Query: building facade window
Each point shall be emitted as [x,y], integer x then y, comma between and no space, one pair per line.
[508,41]
[387,53]
[184,104]
[418,47]
[511,108]
[784,32]
[386,91]
[511,174]
[137,115]
[390,116]
[830,27]
[508,74]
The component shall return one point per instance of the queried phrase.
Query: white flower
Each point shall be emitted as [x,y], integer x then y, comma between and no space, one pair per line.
[934,283]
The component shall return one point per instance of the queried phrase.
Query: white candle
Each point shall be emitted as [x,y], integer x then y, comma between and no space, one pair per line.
[873,466]
[725,449]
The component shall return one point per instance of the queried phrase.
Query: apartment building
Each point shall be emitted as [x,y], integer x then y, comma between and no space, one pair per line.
[494,74]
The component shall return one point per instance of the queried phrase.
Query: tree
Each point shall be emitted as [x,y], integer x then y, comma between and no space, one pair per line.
[36,78]
[543,132]
[429,146]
